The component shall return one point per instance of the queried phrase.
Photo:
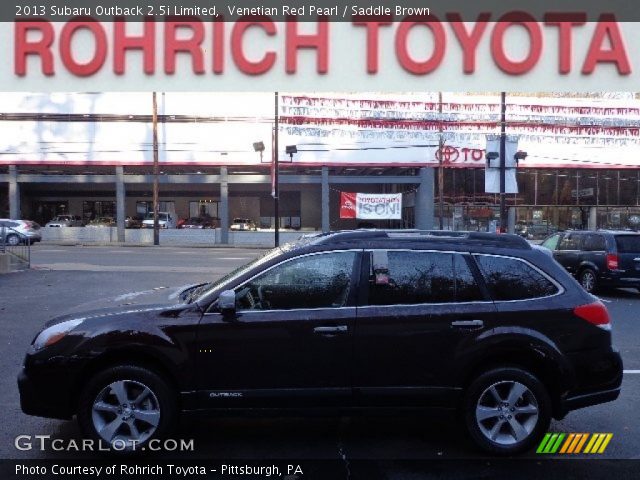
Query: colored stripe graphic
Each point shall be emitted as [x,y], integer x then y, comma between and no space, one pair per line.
[543,443]
[567,443]
[572,443]
[605,443]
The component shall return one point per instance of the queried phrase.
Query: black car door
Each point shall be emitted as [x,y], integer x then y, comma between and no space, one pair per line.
[289,342]
[569,252]
[416,315]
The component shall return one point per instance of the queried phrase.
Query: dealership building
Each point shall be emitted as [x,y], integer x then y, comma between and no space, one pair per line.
[91,155]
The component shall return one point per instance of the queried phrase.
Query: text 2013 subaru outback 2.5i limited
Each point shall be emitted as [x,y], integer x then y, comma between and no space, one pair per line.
[360,320]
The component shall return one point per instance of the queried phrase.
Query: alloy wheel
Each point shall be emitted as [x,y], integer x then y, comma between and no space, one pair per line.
[588,280]
[13,240]
[125,412]
[507,412]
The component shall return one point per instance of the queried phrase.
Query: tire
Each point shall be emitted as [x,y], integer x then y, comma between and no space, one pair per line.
[13,240]
[588,279]
[485,417]
[108,415]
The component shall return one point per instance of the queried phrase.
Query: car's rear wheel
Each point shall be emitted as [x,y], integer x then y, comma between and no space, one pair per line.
[126,407]
[507,410]
[588,280]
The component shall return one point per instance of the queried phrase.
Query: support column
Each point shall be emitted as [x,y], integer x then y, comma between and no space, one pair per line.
[14,193]
[224,205]
[326,225]
[593,218]
[120,203]
[424,199]
[511,220]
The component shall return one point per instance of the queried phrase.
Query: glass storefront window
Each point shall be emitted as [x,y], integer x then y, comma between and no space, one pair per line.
[203,208]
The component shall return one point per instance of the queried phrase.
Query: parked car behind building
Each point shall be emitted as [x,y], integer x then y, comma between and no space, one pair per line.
[201,223]
[102,222]
[165,220]
[243,224]
[65,221]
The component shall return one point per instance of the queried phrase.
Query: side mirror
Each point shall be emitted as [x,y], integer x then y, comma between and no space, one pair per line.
[227,302]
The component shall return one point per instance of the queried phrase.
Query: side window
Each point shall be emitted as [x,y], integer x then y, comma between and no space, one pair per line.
[513,279]
[594,243]
[314,281]
[423,277]
[552,242]
[571,241]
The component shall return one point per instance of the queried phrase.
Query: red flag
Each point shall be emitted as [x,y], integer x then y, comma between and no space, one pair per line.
[347,205]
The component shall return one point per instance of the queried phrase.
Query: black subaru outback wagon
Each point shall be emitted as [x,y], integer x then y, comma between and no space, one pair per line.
[360,320]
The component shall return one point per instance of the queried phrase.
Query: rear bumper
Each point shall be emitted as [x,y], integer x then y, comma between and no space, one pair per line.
[599,382]
[589,399]
[621,279]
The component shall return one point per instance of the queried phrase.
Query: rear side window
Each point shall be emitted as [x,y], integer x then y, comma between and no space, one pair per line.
[513,279]
[628,243]
[424,277]
[594,243]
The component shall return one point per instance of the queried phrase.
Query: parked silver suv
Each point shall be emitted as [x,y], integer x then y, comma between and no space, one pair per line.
[14,232]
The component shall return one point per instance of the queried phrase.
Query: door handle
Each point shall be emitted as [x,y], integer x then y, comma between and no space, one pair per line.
[467,324]
[330,330]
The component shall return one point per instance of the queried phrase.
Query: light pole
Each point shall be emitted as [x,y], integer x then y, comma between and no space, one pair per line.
[156,172]
[440,164]
[274,175]
[503,164]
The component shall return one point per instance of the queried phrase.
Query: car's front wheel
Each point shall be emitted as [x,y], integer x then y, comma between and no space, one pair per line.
[507,410]
[125,407]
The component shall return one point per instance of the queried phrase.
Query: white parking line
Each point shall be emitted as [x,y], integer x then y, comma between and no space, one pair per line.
[631,371]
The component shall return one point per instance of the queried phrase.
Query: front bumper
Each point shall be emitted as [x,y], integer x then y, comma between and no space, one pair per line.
[40,397]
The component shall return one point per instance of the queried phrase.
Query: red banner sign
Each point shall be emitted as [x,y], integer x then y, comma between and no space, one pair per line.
[347,205]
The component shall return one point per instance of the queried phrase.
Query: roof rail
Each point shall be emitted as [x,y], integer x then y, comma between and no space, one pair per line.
[502,240]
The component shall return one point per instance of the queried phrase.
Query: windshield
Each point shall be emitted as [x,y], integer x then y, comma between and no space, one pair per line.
[238,272]
[628,243]
[207,288]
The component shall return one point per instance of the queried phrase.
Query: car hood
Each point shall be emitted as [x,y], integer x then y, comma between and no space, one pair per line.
[155,299]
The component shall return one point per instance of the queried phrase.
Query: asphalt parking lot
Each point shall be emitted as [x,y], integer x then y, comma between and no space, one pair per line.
[64,277]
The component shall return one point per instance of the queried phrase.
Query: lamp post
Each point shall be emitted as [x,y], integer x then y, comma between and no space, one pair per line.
[503,164]
[440,164]
[156,172]
[275,190]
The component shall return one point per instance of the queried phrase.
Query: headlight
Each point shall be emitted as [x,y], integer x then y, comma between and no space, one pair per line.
[55,333]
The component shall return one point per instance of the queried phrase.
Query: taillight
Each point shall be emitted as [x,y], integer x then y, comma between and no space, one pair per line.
[595,313]
[612,261]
